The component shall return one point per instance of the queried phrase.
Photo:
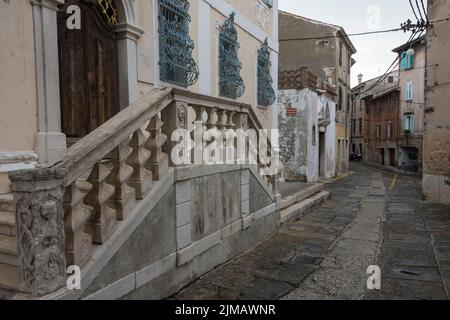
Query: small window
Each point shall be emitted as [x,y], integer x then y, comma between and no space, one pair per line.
[389,130]
[409,91]
[408,123]
[391,79]
[407,61]
[378,130]
[175,45]
[231,84]
[266,93]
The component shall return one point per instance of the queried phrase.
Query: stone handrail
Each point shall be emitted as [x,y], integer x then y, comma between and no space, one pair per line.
[65,208]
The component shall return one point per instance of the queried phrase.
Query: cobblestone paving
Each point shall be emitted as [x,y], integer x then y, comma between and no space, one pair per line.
[325,255]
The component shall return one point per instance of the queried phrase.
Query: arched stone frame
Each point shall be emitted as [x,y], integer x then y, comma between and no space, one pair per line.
[50,141]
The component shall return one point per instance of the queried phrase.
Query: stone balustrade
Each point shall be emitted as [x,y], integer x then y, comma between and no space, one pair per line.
[67,208]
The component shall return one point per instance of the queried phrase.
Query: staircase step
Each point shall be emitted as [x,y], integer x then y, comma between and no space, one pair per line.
[7,223]
[9,278]
[8,250]
[7,202]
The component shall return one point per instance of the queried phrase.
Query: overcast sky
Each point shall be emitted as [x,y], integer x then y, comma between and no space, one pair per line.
[374,51]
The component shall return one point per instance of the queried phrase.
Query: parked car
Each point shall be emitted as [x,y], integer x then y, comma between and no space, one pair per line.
[355,156]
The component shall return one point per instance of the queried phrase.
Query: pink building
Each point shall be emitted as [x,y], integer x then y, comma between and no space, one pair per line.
[411,116]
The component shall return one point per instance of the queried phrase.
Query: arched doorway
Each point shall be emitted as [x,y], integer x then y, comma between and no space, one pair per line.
[88,68]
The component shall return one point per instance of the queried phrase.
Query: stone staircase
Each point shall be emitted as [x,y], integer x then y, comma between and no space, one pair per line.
[83,208]
[9,278]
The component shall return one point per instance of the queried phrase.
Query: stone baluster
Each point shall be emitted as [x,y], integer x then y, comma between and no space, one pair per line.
[241,123]
[76,215]
[174,117]
[222,127]
[212,119]
[199,126]
[38,198]
[159,161]
[141,179]
[124,199]
[230,121]
[104,217]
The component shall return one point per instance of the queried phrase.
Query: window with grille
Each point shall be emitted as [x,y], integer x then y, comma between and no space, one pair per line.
[175,45]
[231,84]
[266,93]
[268,3]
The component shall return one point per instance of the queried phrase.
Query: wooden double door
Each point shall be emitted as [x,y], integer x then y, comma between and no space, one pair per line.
[88,68]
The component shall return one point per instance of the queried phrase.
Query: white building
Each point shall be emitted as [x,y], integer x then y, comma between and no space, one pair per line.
[307,124]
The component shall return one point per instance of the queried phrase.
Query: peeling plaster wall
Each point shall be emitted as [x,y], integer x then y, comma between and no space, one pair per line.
[299,142]
[293,133]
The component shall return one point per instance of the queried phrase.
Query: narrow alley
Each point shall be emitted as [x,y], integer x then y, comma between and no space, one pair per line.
[374,217]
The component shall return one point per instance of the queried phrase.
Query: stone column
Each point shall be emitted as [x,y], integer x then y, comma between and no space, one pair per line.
[50,141]
[128,73]
[38,198]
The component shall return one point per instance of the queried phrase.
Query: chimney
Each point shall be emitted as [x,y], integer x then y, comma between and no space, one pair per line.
[360,78]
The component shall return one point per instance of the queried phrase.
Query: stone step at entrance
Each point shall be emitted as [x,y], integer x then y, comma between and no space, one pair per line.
[8,250]
[8,245]
[7,224]
[9,281]
[7,215]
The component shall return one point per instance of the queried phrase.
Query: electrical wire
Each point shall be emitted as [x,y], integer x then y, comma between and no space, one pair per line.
[392,67]
[343,36]
[420,11]
[413,10]
[425,11]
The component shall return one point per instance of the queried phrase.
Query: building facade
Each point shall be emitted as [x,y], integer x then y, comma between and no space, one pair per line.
[330,59]
[307,126]
[436,159]
[94,91]
[54,90]
[360,111]
[382,125]
[412,57]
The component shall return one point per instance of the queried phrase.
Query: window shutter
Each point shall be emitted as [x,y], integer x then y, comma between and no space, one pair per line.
[411,61]
[404,61]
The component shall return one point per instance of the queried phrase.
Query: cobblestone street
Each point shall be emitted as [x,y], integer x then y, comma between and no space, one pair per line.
[374,217]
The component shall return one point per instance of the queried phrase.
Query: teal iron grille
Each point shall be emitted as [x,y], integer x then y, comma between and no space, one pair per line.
[269,3]
[266,94]
[231,84]
[175,46]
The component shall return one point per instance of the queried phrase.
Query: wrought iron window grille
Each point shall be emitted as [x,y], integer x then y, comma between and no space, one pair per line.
[268,3]
[231,84]
[266,93]
[175,45]
[108,10]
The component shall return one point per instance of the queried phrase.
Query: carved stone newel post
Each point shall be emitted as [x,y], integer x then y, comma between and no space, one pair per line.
[38,197]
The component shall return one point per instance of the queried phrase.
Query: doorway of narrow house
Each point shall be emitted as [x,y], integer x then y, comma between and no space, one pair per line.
[392,157]
[322,156]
